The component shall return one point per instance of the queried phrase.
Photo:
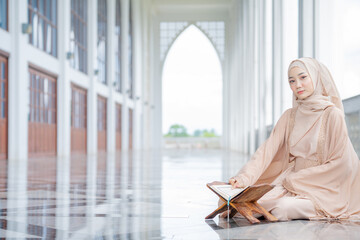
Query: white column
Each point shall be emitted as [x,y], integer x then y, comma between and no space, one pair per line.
[239,66]
[146,42]
[110,68]
[256,71]
[251,76]
[156,90]
[91,162]
[125,73]
[238,79]
[63,81]
[229,82]
[306,28]
[92,65]
[234,131]
[18,96]
[245,74]
[226,93]
[277,60]
[262,71]
[137,56]
[64,110]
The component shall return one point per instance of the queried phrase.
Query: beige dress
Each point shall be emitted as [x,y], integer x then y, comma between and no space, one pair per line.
[315,176]
[283,204]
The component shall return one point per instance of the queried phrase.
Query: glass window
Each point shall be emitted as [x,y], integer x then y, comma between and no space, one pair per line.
[4,14]
[78,35]
[42,98]
[78,117]
[101,43]
[118,118]
[3,110]
[3,83]
[42,17]
[3,87]
[339,43]
[2,70]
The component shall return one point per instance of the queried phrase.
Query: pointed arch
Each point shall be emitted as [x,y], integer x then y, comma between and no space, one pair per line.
[197,25]
[199,71]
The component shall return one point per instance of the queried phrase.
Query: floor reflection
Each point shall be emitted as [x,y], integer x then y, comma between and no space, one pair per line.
[137,195]
[240,229]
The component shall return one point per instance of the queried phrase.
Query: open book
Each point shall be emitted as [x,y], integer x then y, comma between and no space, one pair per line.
[226,191]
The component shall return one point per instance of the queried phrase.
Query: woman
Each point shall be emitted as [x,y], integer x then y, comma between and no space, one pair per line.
[308,156]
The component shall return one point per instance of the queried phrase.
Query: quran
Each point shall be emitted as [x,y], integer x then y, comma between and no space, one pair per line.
[226,191]
[242,200]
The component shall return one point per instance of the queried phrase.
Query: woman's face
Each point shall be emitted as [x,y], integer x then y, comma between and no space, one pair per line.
[300,83]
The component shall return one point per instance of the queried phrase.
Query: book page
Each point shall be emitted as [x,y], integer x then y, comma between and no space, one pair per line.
[226,191]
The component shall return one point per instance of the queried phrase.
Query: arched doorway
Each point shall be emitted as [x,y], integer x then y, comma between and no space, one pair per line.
[192,89]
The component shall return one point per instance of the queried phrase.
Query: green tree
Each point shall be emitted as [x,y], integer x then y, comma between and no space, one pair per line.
[197,133]
[177,130]
[204,133]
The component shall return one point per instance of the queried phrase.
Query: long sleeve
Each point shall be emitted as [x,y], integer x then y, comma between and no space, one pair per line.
[265,154]
[328,184]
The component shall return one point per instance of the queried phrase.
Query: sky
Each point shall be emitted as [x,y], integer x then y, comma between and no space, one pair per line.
[192,84]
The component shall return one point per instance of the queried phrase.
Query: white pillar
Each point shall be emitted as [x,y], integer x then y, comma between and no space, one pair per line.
[226,93]
[110,68]
[245,74]
[277,60]
[18,114]
[92,65]
[156,91]
[137,56]
[64,102]
[125,73]
[63,81]
[146,42]
[262,71]
[251,75]
[18,86]
[306,28]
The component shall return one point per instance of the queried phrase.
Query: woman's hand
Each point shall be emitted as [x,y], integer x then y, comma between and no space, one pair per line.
[235,183]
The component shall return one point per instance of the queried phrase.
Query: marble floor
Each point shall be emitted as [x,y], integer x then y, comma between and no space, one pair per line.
[137,195]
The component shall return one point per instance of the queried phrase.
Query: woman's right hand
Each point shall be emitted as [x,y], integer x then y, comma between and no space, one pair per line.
[236,183]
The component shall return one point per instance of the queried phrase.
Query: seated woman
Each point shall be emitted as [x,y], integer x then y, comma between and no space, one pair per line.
[308,156]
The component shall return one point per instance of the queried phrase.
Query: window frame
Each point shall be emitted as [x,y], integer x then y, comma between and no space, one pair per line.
[102,18]
[82,116]
[7,16]
[78,22]
[46,22]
